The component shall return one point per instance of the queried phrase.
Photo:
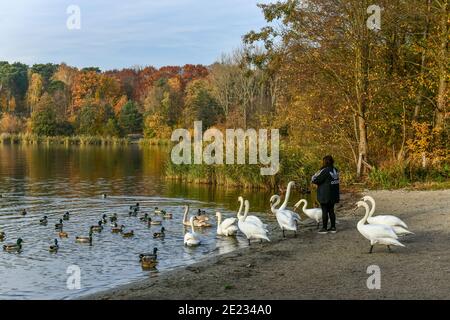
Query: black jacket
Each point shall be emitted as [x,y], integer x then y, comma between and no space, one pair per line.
[327,180]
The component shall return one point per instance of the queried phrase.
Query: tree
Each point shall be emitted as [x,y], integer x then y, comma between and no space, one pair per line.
[43,122]
[130,119]
[200,104]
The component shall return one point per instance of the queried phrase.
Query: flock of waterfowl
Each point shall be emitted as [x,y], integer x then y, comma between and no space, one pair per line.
[380,229]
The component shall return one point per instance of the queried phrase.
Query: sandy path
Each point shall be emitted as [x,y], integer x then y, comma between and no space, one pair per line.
[314,266]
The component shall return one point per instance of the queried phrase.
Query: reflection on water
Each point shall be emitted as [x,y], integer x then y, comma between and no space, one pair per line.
[52,180]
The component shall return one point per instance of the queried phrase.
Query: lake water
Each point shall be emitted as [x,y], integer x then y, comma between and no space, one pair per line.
[52,180]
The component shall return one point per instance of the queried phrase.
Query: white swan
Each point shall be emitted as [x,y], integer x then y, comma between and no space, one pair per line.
[397,224]
[376,233]
[227,226]
[252,219]
[249,229]
[192,238]
[197,222]
[274,202]
[314,213]
[287,220]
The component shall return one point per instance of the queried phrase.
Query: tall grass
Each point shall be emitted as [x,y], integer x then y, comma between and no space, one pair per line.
[30,139]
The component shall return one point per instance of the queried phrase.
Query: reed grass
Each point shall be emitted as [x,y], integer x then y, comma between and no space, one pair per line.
[30,139]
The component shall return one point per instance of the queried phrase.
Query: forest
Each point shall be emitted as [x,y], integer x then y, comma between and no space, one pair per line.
[377,100]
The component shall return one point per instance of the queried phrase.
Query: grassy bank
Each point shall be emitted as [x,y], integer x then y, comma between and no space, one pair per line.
[30,139]
[154,142]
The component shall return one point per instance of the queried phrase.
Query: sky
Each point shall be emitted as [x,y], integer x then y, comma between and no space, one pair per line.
[116,34]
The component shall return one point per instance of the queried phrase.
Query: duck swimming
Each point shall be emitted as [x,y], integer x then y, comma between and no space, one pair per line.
[63,234]
[117,229]
[113,218]
[59,226]
[24,212]
[97,228]
[43,221]
[54,247]
[128,234]
[144,218]
[2,236]
[133,213]
[160,234]
[154,222]
[13,247]
[83,239]
[149,260]
[66,216]
[104,219]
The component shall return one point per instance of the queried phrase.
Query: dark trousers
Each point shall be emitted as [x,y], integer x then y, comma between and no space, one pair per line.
[328,210]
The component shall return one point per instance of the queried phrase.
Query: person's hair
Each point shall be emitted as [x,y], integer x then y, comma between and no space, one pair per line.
[327,161]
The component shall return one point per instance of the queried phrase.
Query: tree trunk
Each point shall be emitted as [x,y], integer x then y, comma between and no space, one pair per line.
[441,105]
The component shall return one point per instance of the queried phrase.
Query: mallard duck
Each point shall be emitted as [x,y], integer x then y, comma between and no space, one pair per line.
[63,234]
[13,247]
[97,228]
[2,236]
[154,222]
[104,196]
[66,216]
[84,239]
[104,218]
[158,211]
[54,247]
[43,221]
[197,223]
[59,226]
[167,216]
[128,234]
[24,212]
[117,229]
[144,218]
[160,234]
[113,218]
[149,260]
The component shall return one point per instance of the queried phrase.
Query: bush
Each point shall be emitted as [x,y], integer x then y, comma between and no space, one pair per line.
[44,123]
[10,124]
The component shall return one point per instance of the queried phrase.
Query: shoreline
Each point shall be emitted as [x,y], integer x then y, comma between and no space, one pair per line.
[313,266]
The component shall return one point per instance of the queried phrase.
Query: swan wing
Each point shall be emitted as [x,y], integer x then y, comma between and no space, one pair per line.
[256,220]
[389,241]
[378,231]
[286,220]
[315,213]
[227,223]
[252,230]
[400,231]
[389,220]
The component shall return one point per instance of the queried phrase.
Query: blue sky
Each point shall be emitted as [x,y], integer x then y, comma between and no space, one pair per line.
[116,34]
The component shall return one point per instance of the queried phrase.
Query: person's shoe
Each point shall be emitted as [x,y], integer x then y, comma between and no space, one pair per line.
[323,231]
[332,230]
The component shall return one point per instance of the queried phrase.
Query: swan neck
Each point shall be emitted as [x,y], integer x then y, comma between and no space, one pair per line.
[372,210]
[186,210]
[241,206]
[286,199]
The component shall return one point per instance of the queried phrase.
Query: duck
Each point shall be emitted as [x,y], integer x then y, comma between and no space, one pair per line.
[226,227]
[54,247]
[149,260]
[84,239]
[376,233]
[160,234]
[24,212]
[253,219]
[2,235]
[13,247]
[400,228]
[113,218]
[144,218]
[192,238]
[158,211]
[201,215]
[97,228]
[197,223]
[43,221]
[104,196]
[128,234]
[59,225]
[313,213]
[63,234]
[66,216]
[154,222]
[250,229]
[117,229]
[167,215]
[104,219]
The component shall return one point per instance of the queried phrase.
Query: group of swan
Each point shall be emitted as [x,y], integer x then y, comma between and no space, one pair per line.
[381,229]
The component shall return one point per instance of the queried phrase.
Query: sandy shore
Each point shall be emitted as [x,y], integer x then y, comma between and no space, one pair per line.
[332,266]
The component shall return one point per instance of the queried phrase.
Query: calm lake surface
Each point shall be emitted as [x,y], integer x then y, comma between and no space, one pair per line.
[52,180]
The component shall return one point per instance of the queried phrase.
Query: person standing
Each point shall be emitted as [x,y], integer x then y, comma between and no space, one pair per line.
[327,181]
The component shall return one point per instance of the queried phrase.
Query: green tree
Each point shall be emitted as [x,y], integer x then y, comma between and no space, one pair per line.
[43,122]
[130,119]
